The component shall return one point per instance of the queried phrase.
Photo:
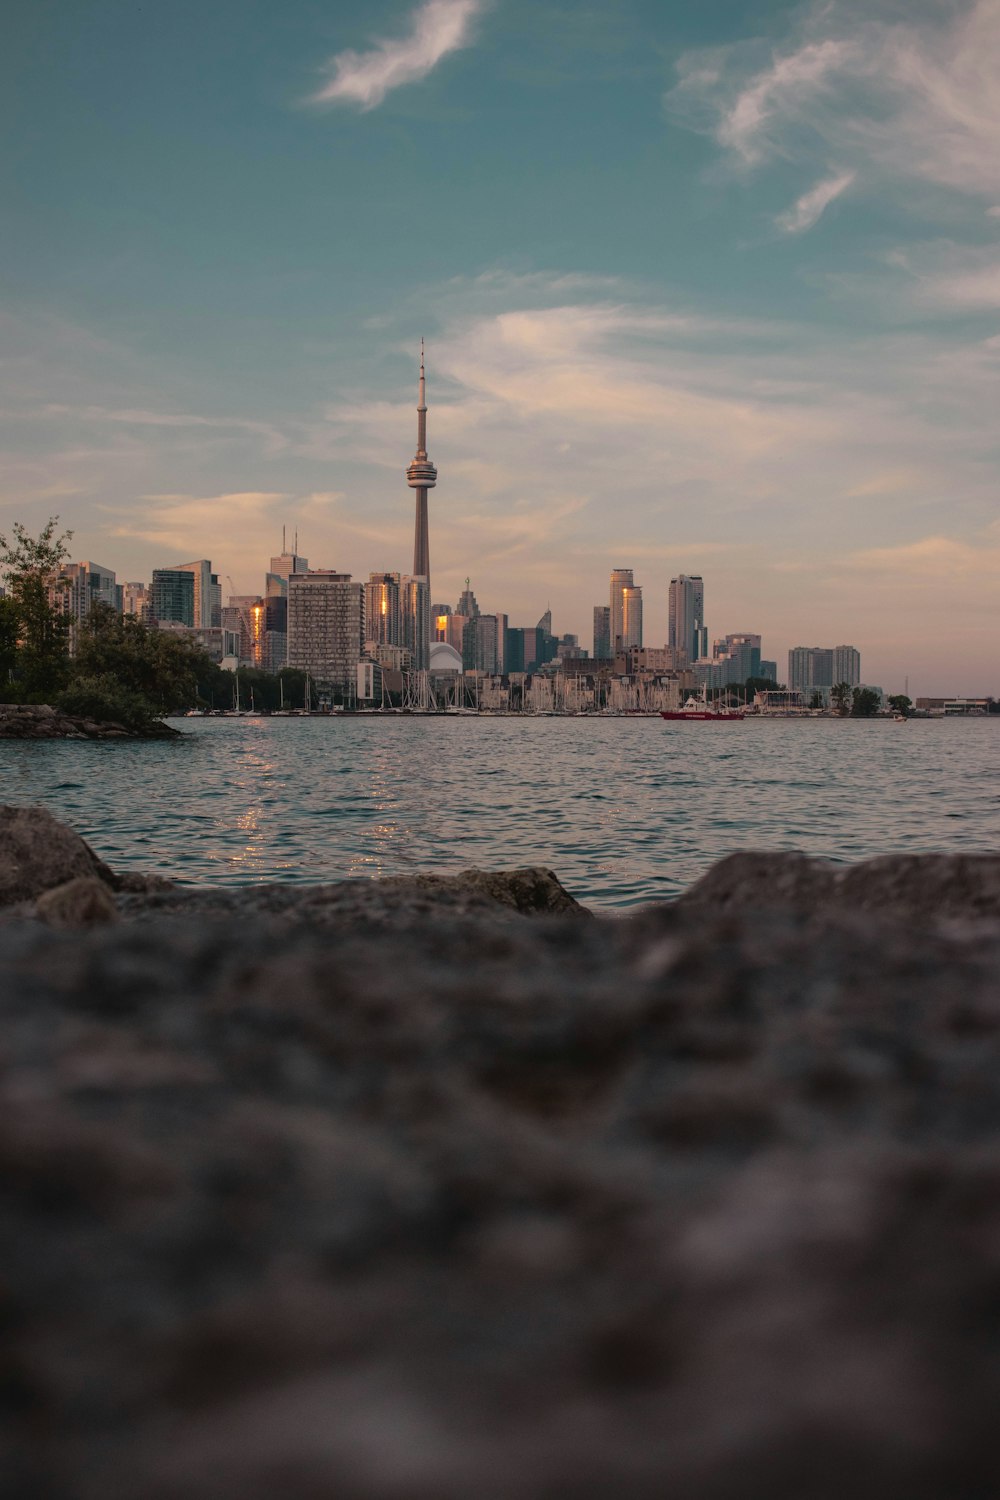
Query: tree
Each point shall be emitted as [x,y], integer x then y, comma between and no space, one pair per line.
[158,666]
[842,697]
[865,703]
[31,567]
[901,704]
[816,701]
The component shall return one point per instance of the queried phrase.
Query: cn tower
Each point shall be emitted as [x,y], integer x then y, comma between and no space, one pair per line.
[421,476]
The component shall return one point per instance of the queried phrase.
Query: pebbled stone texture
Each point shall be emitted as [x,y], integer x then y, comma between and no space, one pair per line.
[913,887]
[695,1203]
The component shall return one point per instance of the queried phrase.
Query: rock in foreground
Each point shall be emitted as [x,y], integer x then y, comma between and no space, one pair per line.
[462,1204]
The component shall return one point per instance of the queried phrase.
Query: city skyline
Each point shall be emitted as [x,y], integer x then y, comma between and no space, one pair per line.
[705,294]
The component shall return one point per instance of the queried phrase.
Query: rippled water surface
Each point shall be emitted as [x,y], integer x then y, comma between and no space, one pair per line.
[624,810]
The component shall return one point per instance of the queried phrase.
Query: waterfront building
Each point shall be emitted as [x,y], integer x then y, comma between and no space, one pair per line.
[326,623]
[421,476]
[415,612]
[602,632]
[847,665]
[383,616]
[823,666]
[625,611]
[686,630]
[205,596]
[171,595]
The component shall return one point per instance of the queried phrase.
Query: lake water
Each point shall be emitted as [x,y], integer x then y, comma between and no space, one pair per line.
[624,810]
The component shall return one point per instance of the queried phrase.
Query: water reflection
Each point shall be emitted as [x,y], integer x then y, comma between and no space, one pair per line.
[623,810]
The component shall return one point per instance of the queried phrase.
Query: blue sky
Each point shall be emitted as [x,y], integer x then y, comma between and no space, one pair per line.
[708,289]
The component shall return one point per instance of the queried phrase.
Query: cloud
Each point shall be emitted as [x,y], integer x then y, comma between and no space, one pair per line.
[917,98]
[364,78]
[807,210]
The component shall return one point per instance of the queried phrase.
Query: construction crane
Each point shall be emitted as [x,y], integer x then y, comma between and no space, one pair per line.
[232,586]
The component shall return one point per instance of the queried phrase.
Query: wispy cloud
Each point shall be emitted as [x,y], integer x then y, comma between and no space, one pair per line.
[917,97]
[807,210]
[439,27]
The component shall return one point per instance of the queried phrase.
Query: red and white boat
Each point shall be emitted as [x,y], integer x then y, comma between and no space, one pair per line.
[697,710]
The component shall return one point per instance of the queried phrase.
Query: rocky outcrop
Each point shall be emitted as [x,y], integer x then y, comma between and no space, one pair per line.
[20,721]
[911,887]
[38,853]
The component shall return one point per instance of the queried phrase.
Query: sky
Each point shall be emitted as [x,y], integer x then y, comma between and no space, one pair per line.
[706,289]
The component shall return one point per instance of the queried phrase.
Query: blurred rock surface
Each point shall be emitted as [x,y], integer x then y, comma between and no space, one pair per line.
[400,1194]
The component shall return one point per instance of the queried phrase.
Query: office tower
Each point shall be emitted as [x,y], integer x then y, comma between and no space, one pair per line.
[440,616]
[276,595]
[686,624]
[467,605]
[201,572]
[602,632]
[502,624]
[847,665]
[383,617]
[136,600]
[287,563]
[415,610]
[89,584]
[246,617]
[171,595]
[545,623]
[810,667]
[326,623]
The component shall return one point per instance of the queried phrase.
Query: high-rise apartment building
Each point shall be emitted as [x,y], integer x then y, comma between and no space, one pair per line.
[326,624]
[847,665]
[171,595]
[480,649]
[621,579]
[415,610]
[625,611]
[810,667]
[686,631]
[83,585]
[602,632]
[383,614]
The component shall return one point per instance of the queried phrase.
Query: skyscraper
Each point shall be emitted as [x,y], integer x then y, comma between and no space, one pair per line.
[625,611]
[602,632]
[847,665]
[415,610]
[172,595]
[686,628]
[201,572]
[810,667]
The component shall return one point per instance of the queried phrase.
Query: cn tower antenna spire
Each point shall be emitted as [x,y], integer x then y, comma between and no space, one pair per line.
[421,476]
